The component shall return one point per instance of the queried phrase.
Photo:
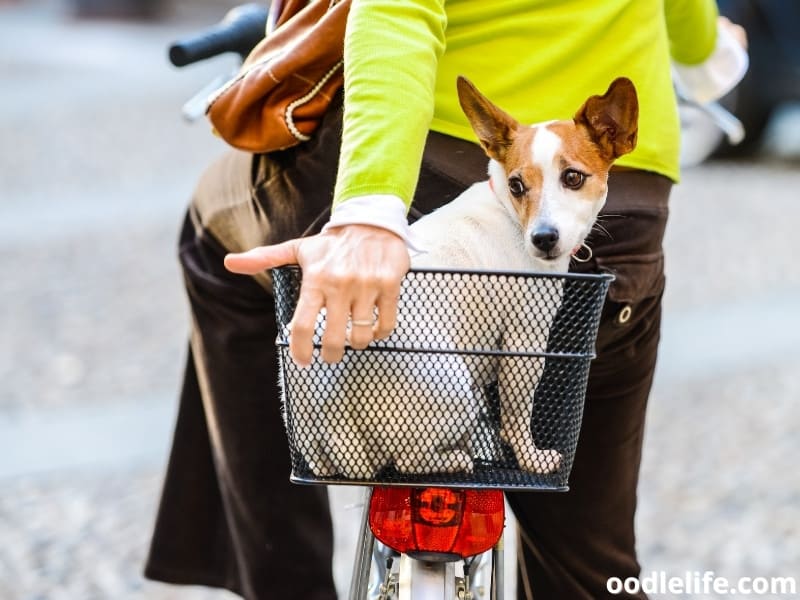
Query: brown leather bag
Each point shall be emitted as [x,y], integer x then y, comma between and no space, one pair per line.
[287,81]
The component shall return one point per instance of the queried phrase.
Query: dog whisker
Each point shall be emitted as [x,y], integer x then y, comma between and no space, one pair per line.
[600,227]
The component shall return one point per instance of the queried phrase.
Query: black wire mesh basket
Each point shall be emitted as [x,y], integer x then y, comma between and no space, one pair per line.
[481,384]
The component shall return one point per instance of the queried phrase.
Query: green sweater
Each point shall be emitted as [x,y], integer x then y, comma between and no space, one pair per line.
[537,59]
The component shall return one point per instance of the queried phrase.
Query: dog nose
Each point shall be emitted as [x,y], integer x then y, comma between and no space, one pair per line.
[545,239]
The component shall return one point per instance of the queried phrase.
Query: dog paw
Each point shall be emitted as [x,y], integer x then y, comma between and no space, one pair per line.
[540,461]
[322,469]
[319,462]
[456,461]
[529,457]
[358,472]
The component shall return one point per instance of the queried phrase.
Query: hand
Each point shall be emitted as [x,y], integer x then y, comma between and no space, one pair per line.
[348,270]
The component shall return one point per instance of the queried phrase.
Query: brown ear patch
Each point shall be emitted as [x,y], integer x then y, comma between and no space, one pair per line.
[612,119]
[494,127]
[517,163]
[579,149]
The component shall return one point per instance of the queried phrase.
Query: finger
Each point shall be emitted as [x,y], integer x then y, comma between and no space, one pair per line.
[303,326]
[263,258]
[333,339]
[362,322]
[387,313]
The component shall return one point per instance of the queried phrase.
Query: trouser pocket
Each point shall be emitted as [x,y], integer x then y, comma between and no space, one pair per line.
[633,304]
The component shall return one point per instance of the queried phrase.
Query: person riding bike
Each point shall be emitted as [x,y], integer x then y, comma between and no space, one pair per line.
[394,139]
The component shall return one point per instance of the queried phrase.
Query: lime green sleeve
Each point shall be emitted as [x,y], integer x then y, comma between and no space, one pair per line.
[391,54]
[692,29]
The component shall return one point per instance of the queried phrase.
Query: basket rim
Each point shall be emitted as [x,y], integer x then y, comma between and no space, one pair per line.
[464,484]
[600,279]
[495,273]
[281,343]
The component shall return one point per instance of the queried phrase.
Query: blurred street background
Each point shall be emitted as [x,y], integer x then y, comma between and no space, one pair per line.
[96,167]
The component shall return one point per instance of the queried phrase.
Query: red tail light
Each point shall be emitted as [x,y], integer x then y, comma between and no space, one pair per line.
[437,520]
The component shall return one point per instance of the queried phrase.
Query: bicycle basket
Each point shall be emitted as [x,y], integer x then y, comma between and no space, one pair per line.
[481,384]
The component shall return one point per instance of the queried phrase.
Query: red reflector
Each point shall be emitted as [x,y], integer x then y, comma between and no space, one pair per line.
[437,506]
[462,522]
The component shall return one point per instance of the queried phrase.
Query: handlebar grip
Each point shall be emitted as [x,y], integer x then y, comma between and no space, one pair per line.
[239,31]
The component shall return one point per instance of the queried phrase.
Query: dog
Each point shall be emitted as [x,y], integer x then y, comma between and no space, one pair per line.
[547,183]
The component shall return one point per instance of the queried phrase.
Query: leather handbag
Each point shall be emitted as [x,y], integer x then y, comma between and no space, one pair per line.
[288,80]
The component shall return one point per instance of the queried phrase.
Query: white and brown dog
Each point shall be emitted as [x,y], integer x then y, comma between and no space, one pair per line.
[546,186]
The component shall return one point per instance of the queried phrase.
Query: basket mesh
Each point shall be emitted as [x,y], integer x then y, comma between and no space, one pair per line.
[481,384]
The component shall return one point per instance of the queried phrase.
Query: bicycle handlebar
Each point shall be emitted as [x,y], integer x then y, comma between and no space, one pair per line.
[239,31]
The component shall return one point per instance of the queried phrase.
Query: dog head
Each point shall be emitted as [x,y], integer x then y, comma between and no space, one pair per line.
[553,176]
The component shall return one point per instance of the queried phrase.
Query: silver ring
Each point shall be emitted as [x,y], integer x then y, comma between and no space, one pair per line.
[362,322]
[583,260]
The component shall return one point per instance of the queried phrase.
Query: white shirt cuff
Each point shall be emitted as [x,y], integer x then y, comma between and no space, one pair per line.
[717,75]
[379,210]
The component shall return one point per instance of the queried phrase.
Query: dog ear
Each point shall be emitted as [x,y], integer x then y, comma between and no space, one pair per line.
[612,119]
[494,127]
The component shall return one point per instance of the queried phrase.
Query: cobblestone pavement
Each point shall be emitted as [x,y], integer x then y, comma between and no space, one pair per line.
[96,167]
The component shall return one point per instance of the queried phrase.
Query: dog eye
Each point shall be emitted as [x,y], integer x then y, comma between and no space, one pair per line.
[516,187]
[573,179]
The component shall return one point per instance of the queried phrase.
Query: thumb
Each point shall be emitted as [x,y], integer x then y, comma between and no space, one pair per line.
[263,258]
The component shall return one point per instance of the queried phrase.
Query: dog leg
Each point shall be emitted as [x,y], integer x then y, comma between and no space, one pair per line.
[348,451]
[319,462]
[529,457]
[516,413]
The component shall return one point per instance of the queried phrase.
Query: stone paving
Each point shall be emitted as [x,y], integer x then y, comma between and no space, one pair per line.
[94,323]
